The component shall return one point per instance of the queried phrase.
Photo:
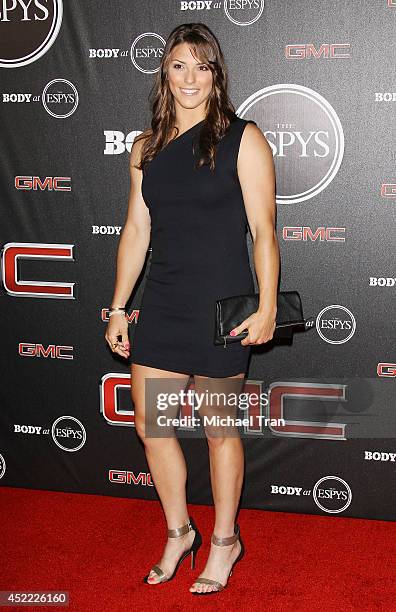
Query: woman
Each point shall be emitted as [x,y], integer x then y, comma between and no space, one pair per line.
[197,178]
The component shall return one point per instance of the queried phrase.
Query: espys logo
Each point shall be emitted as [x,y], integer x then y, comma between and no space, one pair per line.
[28,28]
[240,12]
[335,324]
[332,494]
[60,98]
[68,433]
[2,466]
[305,135]
[243,13]
[146,52]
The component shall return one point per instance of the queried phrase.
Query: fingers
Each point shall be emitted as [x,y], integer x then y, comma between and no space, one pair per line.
[116,346]
[257,334]
[125,342]
[125,339]
[240,328]
[120,349]
[257,339]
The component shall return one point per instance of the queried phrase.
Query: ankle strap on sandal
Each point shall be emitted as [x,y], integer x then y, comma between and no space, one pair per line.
[226,541]
[179,531]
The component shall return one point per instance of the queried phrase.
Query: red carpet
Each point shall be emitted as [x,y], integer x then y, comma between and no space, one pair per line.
[99,548]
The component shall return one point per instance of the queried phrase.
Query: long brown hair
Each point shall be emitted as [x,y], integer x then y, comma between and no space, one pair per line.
[206,49]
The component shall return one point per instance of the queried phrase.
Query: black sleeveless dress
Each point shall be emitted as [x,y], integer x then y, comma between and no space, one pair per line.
[199,255]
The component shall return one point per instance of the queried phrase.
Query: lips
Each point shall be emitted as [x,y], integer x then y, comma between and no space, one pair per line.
[189,92]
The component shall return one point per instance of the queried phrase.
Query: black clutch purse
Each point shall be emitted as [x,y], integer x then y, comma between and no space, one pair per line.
[231,311]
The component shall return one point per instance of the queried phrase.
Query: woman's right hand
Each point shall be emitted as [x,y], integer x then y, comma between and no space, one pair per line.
[118,326]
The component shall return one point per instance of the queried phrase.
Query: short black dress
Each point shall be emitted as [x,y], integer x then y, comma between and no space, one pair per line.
[199,255]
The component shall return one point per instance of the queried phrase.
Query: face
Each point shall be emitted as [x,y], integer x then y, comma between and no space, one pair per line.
[190,81]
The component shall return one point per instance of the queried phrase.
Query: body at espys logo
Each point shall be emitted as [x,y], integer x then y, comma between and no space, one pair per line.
[332,494]
[381,281]
[2,466]
[146,52]
[60,98]
[28,28]
[239,12]
[68,433]
[243,13]
[335,324]
[305,135]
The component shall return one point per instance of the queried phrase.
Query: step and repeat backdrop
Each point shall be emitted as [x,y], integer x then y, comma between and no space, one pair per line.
[318,79]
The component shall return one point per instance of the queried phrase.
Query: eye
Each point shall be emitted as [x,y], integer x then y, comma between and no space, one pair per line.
[204,66]
[176,66]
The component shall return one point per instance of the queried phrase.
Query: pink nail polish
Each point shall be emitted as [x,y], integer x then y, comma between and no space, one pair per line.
[232,333]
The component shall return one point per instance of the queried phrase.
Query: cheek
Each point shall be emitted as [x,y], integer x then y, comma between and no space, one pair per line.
[206,81]
[172,78]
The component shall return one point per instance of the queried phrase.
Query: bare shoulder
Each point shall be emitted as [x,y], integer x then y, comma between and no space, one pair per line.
[137,146]
[253,142]
[255,158]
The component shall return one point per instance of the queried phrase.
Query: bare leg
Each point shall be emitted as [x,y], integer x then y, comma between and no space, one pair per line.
[226,472]
[167,466]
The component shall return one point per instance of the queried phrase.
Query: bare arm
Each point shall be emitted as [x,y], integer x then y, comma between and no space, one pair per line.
[131,255]
[256,174]
[135,236]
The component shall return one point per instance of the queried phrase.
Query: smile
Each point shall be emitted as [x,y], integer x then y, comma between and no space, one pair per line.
[189,92]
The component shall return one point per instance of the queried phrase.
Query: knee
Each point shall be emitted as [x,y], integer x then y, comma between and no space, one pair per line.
[139,416]
[215,440]
[149,432]
[140,427]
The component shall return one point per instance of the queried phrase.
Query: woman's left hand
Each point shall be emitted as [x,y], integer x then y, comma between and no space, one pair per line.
[260,327]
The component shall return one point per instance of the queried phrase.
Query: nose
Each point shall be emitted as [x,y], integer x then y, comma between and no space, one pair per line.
[189,78]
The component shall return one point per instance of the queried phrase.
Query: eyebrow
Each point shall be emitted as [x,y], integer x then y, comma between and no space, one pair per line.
[181,62]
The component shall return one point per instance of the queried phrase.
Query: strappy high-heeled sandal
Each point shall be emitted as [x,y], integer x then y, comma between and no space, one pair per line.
[221,542]
[176,533]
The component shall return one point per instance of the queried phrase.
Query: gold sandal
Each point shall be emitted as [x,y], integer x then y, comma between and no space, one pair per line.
[176,533]
[221,542]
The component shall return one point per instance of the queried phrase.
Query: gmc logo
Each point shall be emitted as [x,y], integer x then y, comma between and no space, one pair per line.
[50,183]
[127,477]
[112,382]
[29,349]
[13,252]
[388,190]
[132,317]
[279,391]
[327,51]
[322,234]
[386,369]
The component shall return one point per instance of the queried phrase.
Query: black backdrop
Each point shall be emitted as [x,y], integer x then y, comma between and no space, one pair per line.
[318,78]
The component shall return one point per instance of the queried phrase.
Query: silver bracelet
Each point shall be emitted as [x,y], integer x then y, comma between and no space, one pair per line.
[116,311]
